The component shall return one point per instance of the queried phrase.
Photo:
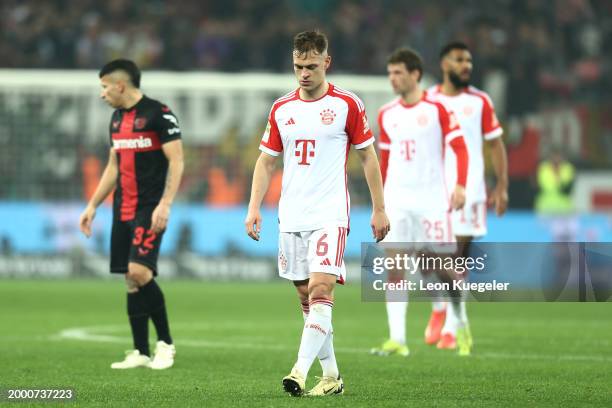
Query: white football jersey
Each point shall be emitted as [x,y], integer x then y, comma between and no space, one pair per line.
[415,136]
[314,137]
[476,115]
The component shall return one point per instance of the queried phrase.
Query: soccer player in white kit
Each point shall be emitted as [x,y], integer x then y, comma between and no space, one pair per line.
[414,133]
[313,128]
[476,115]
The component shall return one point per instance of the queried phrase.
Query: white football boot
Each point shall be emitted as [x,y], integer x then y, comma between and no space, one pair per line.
[164,356]
[133,359]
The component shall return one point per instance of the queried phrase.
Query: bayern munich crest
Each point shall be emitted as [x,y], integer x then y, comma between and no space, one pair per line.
[282,262]
[327,116]
[422,120]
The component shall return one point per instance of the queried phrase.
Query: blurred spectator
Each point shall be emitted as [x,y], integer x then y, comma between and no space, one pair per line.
[555,181]
[558,46]
[545,55]
[91,168]
[554,202]
[224,192]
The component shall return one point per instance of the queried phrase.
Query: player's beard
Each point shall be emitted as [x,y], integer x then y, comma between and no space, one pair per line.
[457,81]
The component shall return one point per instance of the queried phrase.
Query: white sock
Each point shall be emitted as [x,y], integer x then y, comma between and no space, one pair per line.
[450,324]
[438,302]
[462,315]
[456,318]
[305,309]
[327,356]
[397,303]
[316,329]
[438,305]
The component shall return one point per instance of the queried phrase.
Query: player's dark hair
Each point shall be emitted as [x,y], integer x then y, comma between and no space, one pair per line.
[455,45]
[307,41]
[410,58]
[125,65]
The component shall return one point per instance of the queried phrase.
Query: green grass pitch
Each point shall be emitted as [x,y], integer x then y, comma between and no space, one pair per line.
[235,342]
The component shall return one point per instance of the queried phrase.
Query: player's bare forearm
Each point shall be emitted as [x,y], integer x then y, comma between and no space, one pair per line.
[499,196]
[458,197]
[371,169]
[174,153]
[500,161]
[107,181]
[105,186]
[380,221]
[264,167]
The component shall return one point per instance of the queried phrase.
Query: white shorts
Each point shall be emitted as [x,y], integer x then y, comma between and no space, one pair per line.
[416,227]
[471,220]
[322,250]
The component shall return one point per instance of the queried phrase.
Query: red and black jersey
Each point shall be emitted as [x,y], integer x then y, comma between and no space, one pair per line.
[137,135]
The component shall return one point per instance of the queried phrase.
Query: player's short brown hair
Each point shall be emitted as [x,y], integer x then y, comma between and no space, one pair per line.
[307,41]
[410,58]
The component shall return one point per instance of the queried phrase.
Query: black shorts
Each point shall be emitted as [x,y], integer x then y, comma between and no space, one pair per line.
[133,241]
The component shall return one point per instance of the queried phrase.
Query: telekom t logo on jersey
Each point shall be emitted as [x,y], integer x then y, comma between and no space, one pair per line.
[303,150]
[407,151]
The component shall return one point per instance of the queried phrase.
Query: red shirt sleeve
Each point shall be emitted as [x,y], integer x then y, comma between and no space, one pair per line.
[460,149]
[384,164]
[448,123]
[357,127]
[271,141]
[451,131]
[384,145]
[490,125]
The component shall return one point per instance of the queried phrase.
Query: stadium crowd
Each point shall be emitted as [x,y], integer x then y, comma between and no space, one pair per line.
[556,47]
[550,54]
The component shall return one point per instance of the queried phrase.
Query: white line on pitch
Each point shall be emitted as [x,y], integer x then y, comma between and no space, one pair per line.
[85,334]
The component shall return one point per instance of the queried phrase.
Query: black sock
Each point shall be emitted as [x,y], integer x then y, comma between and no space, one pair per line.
[157,310]
[139,321]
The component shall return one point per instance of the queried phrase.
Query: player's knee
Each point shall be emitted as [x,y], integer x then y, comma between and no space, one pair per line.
[320,290]
[303,297]
[302,289]
[395,276]
[139,274]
